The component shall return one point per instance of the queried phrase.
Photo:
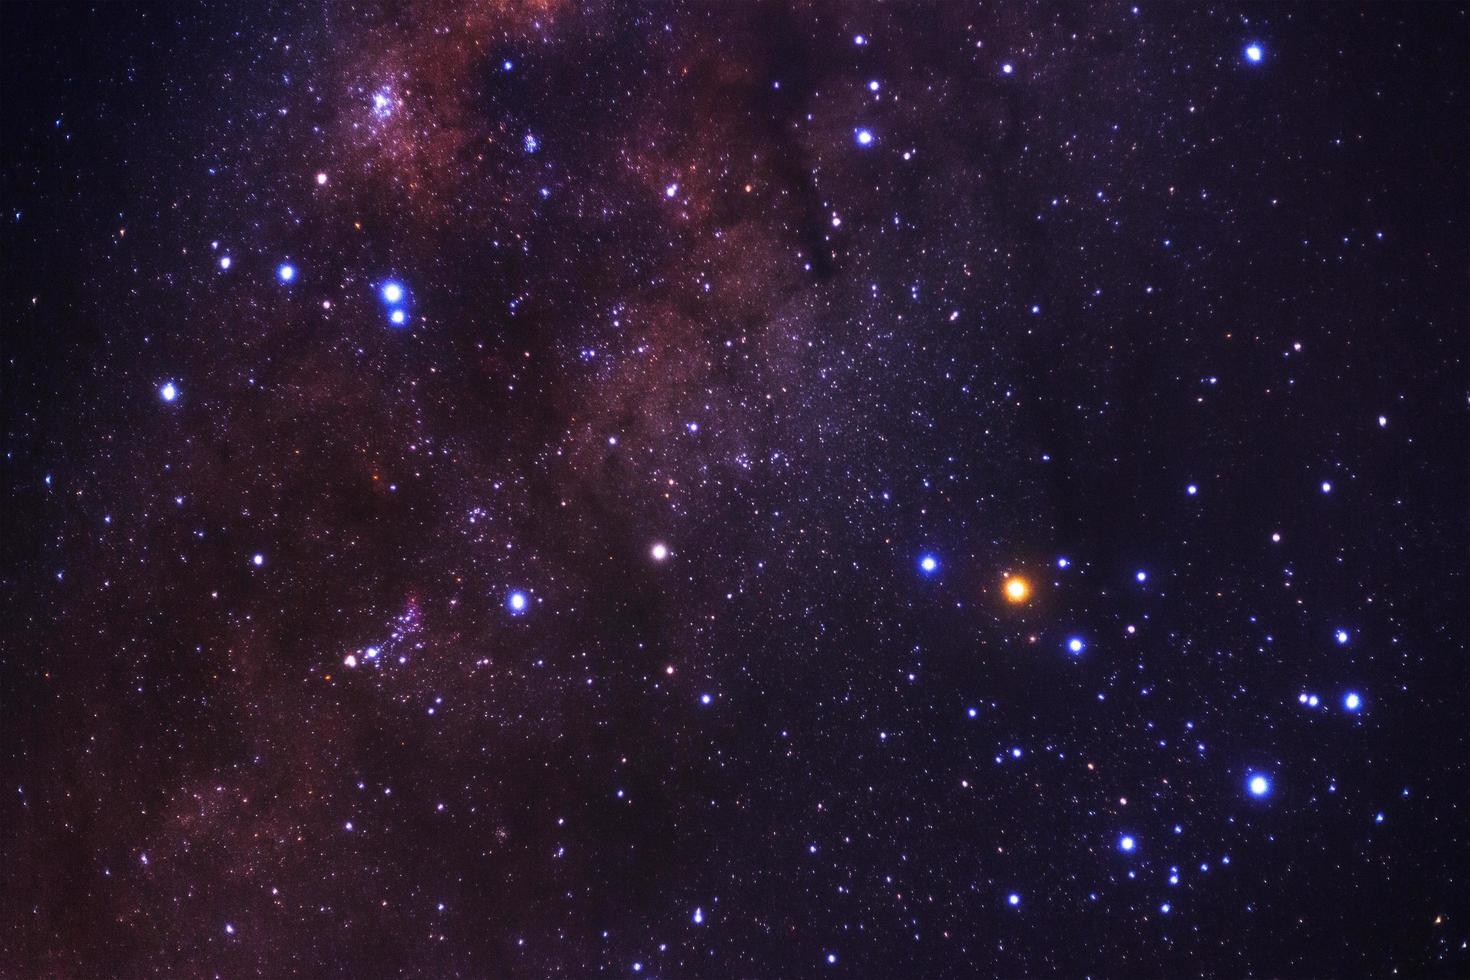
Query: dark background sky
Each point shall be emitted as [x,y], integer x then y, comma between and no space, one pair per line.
[335,646]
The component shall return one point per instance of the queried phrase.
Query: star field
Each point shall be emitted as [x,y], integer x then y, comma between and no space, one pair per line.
[762,489]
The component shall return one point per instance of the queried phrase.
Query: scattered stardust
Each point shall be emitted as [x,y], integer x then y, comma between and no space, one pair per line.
[812,359]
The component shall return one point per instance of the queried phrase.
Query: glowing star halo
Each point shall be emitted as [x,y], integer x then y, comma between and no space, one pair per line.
[1017,589]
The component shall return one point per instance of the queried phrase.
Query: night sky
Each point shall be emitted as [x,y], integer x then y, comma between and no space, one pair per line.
[524,488]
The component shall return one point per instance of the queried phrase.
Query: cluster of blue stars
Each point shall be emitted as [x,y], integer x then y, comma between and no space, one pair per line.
[396,298]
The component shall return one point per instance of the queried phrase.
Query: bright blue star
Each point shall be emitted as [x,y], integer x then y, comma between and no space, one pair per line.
[1191,489]
[531,143]
[1076,645]
[397,318]
[517,603]
[1254,53]
[864,137]
[286,272]
[1164,908]
[1326,487]
[1126,843]
[1062,563]
[1258,785]
[1351,701]
[1141,576]
[1013,899]
[1342,637]
[928,564]
[392,291]
[224,262]
[168,392]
